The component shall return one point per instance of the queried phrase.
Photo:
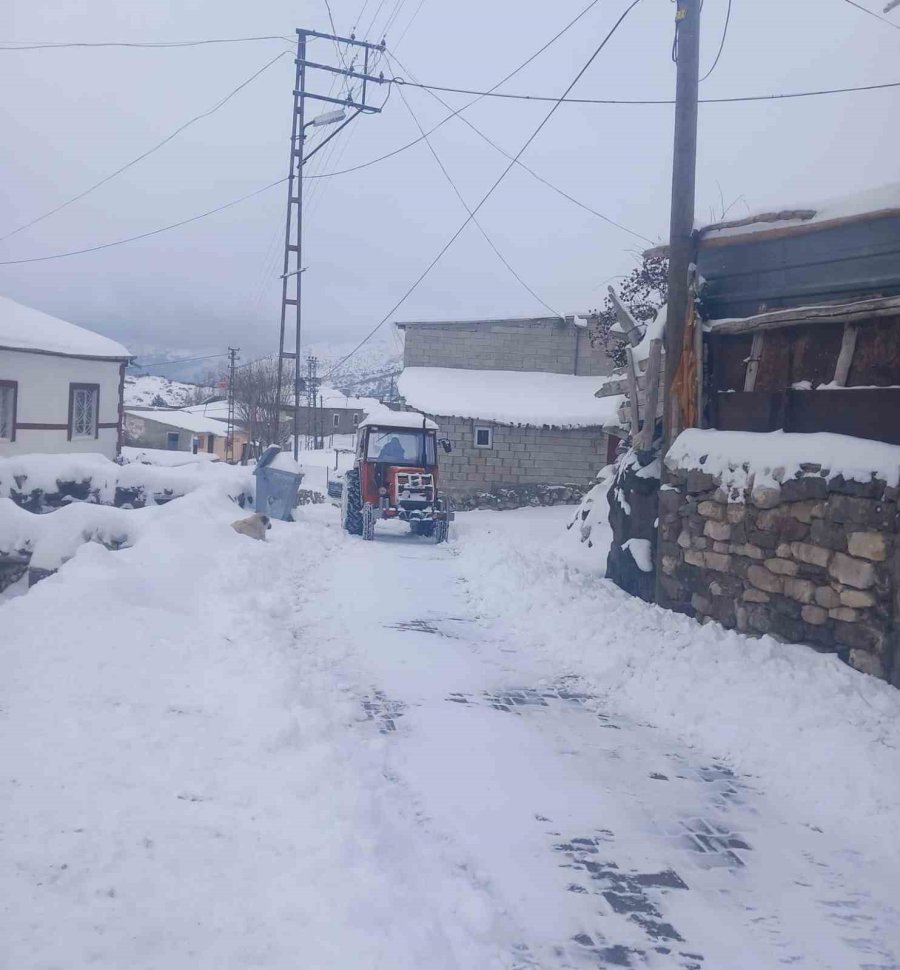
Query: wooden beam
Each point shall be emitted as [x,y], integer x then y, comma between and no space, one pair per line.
[632,394]
[698,357]
[627,323]
[653,368]
[845,357]
[800,316]
[756,349]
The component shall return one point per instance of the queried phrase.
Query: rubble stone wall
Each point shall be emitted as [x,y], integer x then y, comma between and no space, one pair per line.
[812,560]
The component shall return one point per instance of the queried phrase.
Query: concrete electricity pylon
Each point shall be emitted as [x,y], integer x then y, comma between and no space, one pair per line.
[354,102]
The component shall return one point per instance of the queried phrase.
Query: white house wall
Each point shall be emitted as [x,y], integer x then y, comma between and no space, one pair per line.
[43,398]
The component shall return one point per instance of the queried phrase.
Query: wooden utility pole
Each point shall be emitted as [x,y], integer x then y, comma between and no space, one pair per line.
[684,167]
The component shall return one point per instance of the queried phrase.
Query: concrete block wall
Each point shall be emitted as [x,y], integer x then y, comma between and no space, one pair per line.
[543,344]
[519,456]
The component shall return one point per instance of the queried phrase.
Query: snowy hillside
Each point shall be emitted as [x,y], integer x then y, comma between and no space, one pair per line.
[143,389]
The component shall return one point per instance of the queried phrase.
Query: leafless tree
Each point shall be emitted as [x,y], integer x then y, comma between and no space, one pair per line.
[255,395]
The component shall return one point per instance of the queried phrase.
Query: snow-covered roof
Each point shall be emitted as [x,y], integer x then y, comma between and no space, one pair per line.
[384,417]
[334,398]
[24,328]
[508,397]
[178,418]
[885,198]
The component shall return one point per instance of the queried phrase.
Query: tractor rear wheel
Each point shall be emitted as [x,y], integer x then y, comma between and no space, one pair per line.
[368,522]
[351,504]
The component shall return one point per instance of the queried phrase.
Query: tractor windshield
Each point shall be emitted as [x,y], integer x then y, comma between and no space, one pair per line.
[401,447]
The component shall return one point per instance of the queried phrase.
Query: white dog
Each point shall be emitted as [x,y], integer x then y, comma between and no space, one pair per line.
[254,526]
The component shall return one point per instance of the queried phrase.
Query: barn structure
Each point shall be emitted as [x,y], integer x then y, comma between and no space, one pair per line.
[779,508]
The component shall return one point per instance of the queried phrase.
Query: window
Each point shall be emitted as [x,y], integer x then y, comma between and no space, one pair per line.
[8,394]
[210,443]
[484,437]
[400,447]
[336,420]
[84,404]
[172,440]
[355,420]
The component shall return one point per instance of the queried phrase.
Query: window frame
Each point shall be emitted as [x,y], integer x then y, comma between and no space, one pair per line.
[490,434]
[177,436]
[74,387]
[14,387]
[335,420]
[355,420]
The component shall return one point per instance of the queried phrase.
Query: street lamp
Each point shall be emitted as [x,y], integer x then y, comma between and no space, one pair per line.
[329,118]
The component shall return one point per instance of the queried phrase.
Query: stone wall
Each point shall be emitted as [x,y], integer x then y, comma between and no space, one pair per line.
[541,344]
[519,457]
[813,560]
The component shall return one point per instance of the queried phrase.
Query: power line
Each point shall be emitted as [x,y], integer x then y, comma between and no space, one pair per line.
[181,360]
[149,151]
[721,43]
[44,45]
[409,24]
[501,82]
[530,171]
[465,205]
[541,97]
[872,13]
[145,235]
[490,191]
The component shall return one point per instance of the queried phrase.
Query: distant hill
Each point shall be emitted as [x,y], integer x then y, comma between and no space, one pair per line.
[147,389]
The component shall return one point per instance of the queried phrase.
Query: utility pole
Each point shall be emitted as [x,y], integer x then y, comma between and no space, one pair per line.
[312,390]
[292,274]
[229,434]
[681,224]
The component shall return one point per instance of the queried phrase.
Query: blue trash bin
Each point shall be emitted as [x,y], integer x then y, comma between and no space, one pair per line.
[278,479]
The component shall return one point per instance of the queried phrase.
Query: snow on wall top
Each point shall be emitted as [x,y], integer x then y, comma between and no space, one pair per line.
[334,398]
[881,199]
[402,325]
[186,420]
[508,397]
[24,328]
[774,457]
[384,417]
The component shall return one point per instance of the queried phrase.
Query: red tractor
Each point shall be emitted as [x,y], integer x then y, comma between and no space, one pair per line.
[395,476]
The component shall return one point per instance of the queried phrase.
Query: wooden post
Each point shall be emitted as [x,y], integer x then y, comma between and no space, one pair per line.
[652,397]
[684,164]
[845,357]
[753,360]
[698,356]
[632,395]
[625,320]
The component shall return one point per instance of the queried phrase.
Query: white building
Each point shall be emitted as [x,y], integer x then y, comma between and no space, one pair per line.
[60,385]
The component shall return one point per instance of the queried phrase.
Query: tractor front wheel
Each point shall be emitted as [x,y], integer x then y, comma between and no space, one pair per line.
[442,526]
[351,504]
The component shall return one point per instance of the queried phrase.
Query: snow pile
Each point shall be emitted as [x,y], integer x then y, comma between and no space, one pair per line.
[509,397]
[193,781]
[101,478]
[590,525]
[24,328]
[168,459]
[820,737]
[745,458]
[144,389]
[54,539]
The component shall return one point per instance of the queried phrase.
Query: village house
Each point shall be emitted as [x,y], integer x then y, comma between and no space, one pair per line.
[515,399]
[335,413]
[782,517]
[60,385]
[183,429]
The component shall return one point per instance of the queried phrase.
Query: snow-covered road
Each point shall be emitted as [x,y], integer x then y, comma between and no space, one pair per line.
[323,753]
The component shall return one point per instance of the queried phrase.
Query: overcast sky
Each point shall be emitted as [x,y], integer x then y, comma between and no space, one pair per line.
[71,116]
